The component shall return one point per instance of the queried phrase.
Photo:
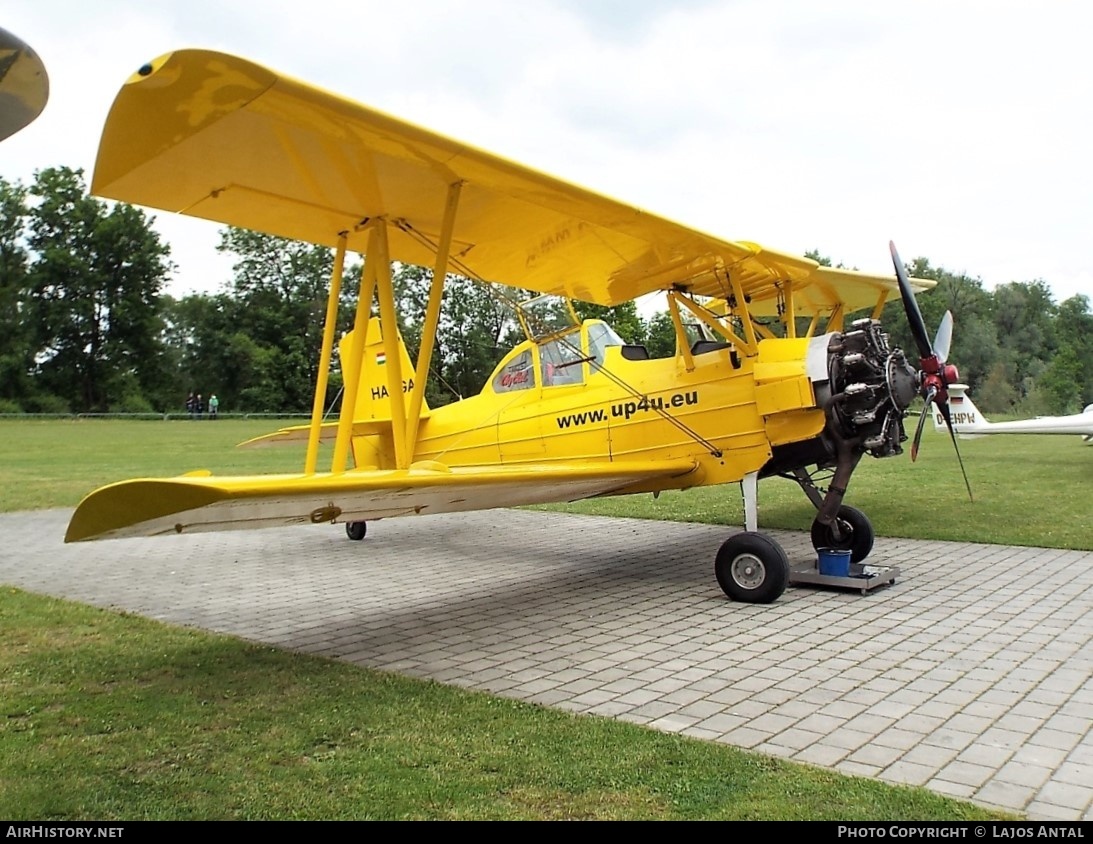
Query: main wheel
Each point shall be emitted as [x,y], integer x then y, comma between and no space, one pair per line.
[856,529]
[752,567]
[356,530]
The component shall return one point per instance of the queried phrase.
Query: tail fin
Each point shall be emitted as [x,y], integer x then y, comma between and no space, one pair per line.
[373,398]
[967,418]
[373,438]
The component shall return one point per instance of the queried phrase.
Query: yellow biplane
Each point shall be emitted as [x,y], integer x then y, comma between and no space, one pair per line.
[570,413]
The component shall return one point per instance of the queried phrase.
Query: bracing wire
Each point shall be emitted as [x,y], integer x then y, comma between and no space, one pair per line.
[618,381]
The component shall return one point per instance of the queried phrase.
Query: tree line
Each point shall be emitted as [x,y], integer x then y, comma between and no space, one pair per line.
[86,324]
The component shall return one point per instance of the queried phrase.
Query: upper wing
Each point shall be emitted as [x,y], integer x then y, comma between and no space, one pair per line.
[219,137]
[189,503]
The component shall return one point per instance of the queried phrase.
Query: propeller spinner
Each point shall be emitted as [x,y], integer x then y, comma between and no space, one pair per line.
[935,375]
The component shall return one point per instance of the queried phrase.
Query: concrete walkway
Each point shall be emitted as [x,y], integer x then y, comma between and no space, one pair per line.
[972,675]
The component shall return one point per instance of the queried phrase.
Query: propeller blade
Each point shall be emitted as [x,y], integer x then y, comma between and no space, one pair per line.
[944,408]
[943,340]
[910,306]
[926,411]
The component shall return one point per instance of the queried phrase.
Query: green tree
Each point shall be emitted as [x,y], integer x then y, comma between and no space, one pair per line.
[1023,317]
[257,343]
[1061,381]
[16,355]
[94,289]
[996,394]
[660,335]
[1074,331]
[477,328]
[623,318]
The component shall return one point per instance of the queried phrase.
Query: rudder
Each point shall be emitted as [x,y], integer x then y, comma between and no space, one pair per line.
[373,395]
[967,418]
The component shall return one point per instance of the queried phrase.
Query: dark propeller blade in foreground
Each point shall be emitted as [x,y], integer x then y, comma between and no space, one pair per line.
[926,411]
[934,376]
[944,408]
[910,306]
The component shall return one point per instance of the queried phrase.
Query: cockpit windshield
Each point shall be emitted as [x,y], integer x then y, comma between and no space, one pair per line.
[600,336]
[562,359]
[547,315]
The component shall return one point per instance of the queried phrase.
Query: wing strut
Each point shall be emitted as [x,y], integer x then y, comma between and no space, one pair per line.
[681,335]
[356,352]
[717,325]
[789,318]
[878,309]
[741,306]
[432,316]
[329,327]
[389,321]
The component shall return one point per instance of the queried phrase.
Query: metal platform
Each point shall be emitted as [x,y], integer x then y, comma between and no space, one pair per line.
[862,577]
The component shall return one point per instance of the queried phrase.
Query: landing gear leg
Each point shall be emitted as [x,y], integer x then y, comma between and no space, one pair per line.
[750,566]
[849,530]
[749,488]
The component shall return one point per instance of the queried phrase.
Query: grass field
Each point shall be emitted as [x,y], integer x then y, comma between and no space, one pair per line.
[110,716]
[54,463]
[1029,490]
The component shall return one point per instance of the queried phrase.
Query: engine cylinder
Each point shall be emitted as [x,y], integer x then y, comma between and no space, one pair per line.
[872,385]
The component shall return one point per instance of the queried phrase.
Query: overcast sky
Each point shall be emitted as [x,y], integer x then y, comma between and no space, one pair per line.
[961,130]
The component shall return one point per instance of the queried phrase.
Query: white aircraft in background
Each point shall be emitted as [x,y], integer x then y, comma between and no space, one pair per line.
[969,421]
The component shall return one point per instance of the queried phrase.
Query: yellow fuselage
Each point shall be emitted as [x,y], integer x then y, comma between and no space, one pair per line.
[725,413]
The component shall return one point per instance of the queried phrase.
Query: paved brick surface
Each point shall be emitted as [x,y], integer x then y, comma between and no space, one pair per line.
[972,675]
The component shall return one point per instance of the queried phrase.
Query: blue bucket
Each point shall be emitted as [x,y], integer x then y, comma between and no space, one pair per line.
[833,562]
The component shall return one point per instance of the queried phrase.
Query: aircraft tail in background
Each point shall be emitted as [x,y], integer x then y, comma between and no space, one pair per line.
[969,421]
[967,418]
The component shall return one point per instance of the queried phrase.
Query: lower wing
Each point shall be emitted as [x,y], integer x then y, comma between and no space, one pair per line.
[190,503]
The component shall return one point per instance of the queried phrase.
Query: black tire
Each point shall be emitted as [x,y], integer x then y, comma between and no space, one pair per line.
[752,567]
[356,530]
[857,534]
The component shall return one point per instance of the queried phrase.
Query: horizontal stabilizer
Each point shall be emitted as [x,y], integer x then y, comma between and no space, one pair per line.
[297,434]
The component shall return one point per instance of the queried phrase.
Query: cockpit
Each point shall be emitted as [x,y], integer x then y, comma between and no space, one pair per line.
[564,359]
[561,350]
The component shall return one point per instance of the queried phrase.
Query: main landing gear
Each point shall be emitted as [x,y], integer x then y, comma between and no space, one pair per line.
[850,530]
[751,567]
[356,530]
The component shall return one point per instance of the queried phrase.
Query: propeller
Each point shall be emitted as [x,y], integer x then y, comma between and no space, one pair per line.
[935,374]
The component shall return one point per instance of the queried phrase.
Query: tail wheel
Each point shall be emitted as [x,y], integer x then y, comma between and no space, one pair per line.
[752,567]
[856,531]
[356,530]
